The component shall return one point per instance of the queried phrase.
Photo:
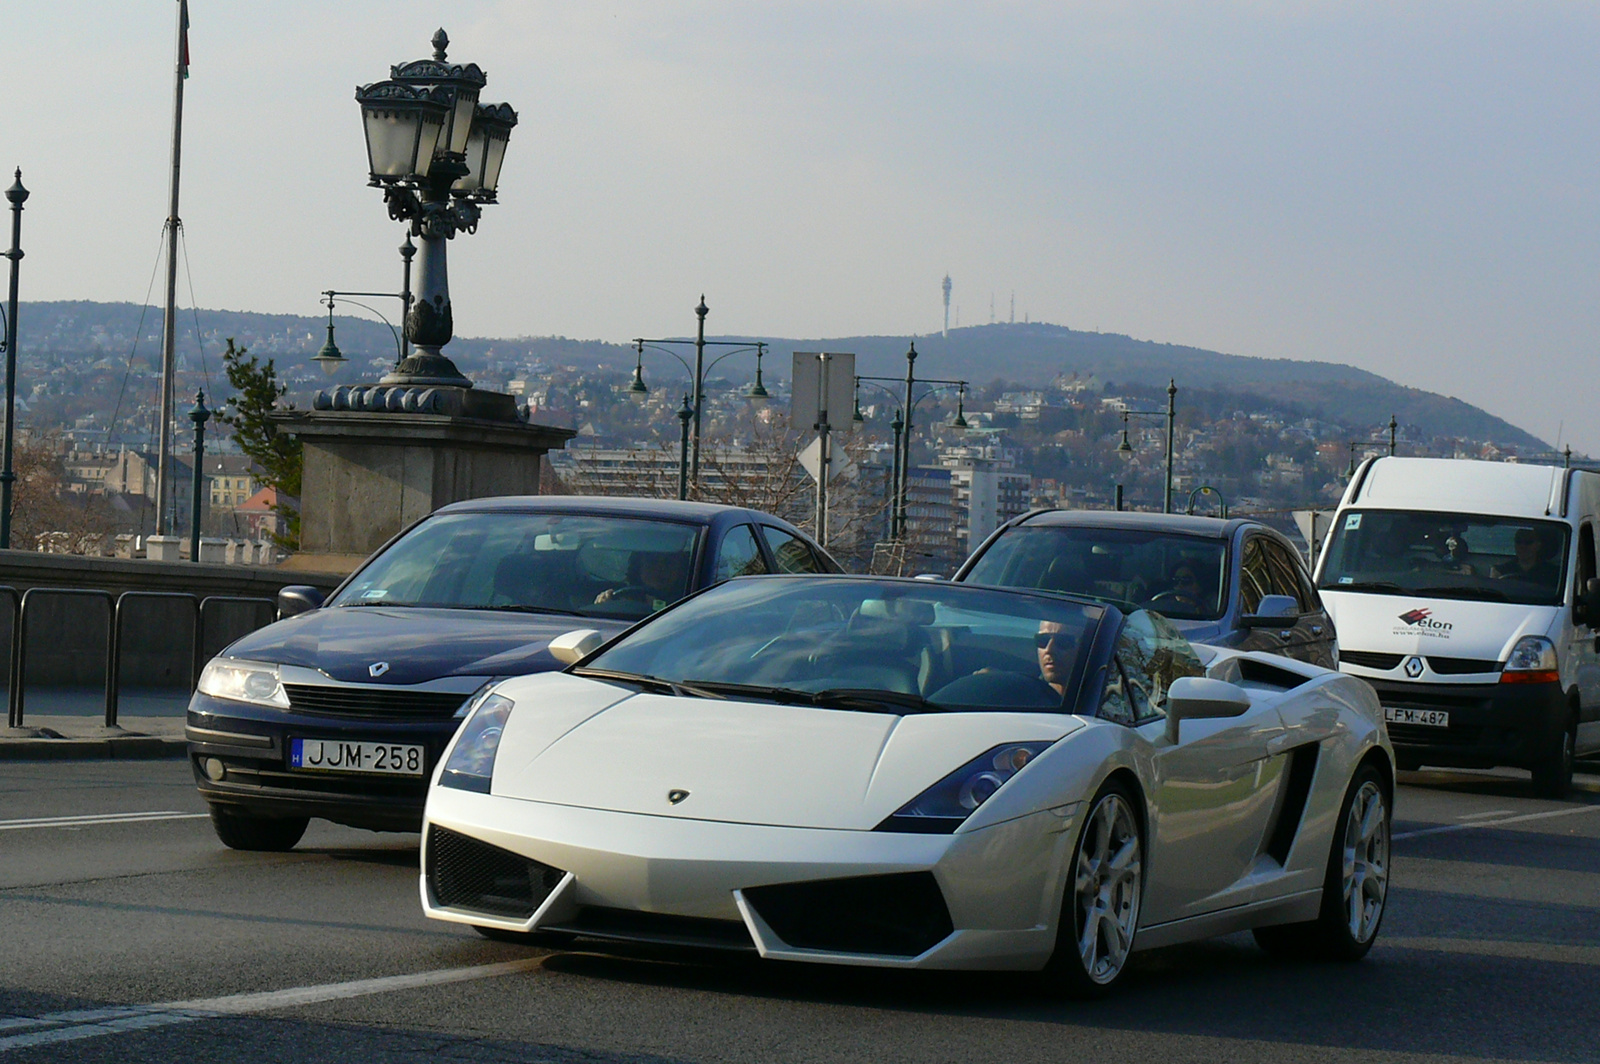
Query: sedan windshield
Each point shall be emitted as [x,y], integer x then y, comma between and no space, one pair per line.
[892,646]
[1175,575]
[1440,555]
[595,566]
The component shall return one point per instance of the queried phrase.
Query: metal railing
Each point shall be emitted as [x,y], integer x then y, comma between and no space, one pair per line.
[205,613]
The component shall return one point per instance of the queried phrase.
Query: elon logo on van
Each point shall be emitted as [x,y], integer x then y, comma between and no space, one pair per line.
[1424,619]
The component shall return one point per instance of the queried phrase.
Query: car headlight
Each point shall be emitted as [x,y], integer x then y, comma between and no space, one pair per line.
[1532,660]
[940,809]
[470,766]
[243,681]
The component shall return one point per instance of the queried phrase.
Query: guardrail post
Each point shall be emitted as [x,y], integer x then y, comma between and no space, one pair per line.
[206,610]
[19,639]
[114,648]
[13,681]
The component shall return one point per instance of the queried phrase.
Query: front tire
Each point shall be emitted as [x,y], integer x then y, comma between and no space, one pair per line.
[1552,773]
[1356,887]
[1100,913]
[241,831]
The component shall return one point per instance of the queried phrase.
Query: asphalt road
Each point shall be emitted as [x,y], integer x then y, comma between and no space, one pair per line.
[127,933]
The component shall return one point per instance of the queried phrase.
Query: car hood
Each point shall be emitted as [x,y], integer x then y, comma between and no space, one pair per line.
[587,743]
[418,644]
[1412,624]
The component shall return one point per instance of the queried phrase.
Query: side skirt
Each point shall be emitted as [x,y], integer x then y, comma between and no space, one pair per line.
[1286,910]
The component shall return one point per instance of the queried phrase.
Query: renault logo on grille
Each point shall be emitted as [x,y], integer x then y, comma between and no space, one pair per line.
[1413,667]
[377,669]
[675,795]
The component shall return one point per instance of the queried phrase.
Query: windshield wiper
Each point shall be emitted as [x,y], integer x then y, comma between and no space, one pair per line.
[856,697]
[1386,586]
[1486,594]
[508,608]
[653,684]
[374,602]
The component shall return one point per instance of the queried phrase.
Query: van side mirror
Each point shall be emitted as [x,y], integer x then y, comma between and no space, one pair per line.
[572,647]
[1272,612]
[297,599]
[1202,698]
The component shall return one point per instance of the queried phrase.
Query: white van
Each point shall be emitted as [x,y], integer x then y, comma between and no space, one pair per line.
[1465,593]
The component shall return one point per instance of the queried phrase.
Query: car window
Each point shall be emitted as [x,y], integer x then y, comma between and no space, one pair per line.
[1586,568]
[1255,581]
[792,553]
[1114,704]
[1152,654]
[739,555]
[1282,572]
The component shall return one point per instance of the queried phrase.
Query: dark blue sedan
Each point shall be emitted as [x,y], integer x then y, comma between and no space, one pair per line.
[342,710]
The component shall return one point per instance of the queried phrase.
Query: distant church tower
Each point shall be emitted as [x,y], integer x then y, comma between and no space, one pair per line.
[946,287]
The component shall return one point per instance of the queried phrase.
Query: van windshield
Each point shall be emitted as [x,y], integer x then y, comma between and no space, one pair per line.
[1465,556]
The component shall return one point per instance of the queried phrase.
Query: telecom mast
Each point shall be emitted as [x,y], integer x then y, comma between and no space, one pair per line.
[946,287]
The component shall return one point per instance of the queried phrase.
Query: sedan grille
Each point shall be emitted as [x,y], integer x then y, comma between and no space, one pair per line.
[375,703]
[899,915]
[464,873]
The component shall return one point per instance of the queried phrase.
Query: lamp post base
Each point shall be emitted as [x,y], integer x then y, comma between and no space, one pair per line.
[427,366]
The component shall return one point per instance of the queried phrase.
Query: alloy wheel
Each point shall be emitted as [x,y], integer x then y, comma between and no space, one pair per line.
[1107,889]
[1366,861]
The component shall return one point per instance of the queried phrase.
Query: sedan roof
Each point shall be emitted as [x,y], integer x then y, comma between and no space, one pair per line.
[1182,524]
[621,506]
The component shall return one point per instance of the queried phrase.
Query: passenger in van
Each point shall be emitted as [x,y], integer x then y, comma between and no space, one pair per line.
[1530,563]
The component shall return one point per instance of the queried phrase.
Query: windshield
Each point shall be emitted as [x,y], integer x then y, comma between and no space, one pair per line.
[1489,559]
[1176,575]
[878,645]
[594,566]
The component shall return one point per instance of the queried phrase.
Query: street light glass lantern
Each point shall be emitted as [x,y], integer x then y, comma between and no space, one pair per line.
[330,358]
[486,148]
[458,84]
[637,390]
[403,127]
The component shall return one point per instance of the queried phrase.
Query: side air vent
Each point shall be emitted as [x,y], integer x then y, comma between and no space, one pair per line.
[1296,789]
[464,873]
[899,915]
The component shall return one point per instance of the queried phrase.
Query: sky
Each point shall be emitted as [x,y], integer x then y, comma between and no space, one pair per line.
[1409,188]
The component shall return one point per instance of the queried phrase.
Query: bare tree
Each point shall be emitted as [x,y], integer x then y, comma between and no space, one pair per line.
[45,515]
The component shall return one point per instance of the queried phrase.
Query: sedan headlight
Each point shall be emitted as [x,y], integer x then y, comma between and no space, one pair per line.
[470,766]
[1532,660]
[243,681]
[940,809]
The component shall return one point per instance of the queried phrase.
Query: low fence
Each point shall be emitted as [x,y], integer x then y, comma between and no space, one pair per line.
[111,623]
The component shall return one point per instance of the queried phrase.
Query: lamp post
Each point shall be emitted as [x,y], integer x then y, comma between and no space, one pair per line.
[17,195]
[1394,427]
[1350,473]
[1568,455]
[1125,449]
[685,415]
[900,489]
[199,415]
[436,152]
[1207,489]
[638,390]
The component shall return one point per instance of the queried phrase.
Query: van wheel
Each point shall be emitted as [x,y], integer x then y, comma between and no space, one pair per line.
[1552,774]
[240,831]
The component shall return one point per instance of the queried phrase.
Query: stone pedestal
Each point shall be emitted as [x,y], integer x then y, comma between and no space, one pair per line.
[163,548]
[379,458]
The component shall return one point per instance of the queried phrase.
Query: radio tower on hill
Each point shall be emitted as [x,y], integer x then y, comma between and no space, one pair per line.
[946,287]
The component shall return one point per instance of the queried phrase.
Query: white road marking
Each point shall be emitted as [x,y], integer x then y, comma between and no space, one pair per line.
[94,1023]
[1443,828]
[96,819]
[1484,813]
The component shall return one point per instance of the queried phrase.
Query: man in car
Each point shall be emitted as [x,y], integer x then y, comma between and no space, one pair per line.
[1530,563]
[1057,648]
[657,579]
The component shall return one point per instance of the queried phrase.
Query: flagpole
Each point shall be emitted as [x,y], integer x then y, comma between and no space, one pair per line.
[169,324]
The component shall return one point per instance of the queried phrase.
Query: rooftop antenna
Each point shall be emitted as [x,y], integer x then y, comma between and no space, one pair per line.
[946,287]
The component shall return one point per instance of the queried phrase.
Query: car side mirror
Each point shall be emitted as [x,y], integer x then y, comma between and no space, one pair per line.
[1202,698]
[572,647]
[298,598]
[1272,612]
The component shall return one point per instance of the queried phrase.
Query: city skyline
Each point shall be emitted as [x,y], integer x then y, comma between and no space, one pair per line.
[1397,190]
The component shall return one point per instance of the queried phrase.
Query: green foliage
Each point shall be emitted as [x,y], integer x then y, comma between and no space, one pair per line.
[277,455]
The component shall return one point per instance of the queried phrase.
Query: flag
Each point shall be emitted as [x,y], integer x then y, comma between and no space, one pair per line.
[183,38]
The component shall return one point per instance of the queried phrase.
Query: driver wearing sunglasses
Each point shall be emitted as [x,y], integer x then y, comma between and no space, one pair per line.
[1057,650]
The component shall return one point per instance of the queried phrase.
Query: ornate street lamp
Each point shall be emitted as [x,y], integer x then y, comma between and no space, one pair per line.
[330,358]
[436,152]
[199,415]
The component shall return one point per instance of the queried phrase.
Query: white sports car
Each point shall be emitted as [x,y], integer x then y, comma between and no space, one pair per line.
[915,774]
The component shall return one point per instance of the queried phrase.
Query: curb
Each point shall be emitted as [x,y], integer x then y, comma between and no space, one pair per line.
[121,748]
